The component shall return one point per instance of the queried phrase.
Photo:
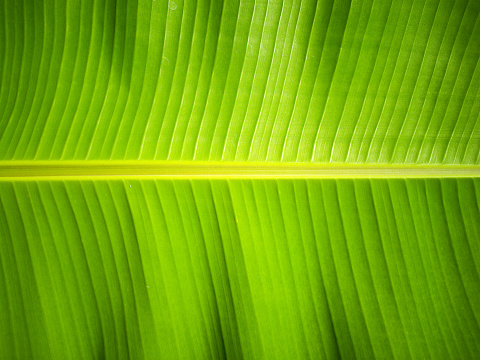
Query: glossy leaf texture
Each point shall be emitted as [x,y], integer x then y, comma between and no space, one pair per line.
[312,81]
[253,269]
[196,254]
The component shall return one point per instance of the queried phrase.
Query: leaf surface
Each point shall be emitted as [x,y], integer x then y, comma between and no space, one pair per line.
[239,179]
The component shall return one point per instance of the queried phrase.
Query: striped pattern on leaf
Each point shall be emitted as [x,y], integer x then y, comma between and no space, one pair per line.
[254,269]
[328,81]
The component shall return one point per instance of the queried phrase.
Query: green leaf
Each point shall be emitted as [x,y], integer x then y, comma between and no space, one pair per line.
[240,268]
[239,179]
[359,82]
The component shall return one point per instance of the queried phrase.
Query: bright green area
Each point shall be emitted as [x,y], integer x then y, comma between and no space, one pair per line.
[63,170]
[240,269]
[393,81]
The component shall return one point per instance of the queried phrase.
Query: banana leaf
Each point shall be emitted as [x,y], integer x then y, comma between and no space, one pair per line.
[207,179]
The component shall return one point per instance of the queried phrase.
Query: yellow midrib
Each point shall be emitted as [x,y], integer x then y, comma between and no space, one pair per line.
[196,169]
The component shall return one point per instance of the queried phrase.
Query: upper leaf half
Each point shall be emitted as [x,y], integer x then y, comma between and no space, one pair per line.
[327,81]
